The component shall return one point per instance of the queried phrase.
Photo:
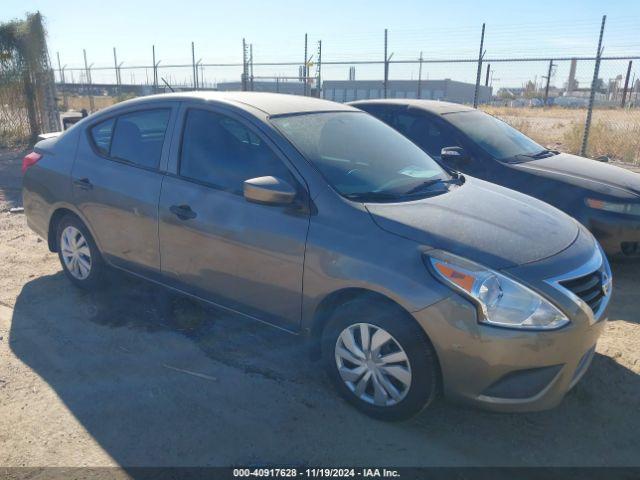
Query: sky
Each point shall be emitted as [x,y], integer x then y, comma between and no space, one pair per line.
[349,30]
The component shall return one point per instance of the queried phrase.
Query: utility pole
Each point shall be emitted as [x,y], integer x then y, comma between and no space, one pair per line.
[420,78]
[480,55]
[60,68]
[548,77]
[116,67]
[244,65]
[486,80]
[386,64]
[592,97]
[198,72]
[624,92]
[251,64]
[155,70]
[304,66]
[319,71]
[193,64]
[87,70]
[65,103]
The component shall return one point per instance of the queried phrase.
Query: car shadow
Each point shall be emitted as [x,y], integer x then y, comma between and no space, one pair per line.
[158,380]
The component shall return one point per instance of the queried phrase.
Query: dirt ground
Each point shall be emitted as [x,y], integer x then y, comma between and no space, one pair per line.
[130,376]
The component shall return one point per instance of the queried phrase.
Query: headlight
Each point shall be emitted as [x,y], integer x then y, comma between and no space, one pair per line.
[626,208]
[502,301]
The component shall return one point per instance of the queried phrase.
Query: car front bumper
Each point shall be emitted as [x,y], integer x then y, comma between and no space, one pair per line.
[508,369]
[618,234]
[505,369]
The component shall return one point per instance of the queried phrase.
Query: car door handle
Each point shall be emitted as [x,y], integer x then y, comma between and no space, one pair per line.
[183,212]
[83,184]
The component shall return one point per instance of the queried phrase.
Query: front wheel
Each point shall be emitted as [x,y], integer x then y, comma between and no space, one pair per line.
[380,361]
[78,253]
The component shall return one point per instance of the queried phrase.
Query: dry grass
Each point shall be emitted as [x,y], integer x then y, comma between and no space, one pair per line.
[77,102]
[607,140]
[614,133]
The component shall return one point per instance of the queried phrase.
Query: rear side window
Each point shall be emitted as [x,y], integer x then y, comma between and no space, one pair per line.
[101,135]
[223,152]
[138,137]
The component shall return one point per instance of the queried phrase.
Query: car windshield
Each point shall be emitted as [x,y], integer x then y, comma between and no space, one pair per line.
[497,138]
[361,157]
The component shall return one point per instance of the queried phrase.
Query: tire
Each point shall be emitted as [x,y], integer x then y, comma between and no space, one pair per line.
[87,271]
[406,335]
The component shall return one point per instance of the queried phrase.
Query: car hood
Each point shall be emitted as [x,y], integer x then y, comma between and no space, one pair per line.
[585,173]
[481,221]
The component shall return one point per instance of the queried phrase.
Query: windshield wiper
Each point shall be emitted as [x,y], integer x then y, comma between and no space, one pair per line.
[541,154]
[418,190]
[545,153]
[424,185]
[368,196]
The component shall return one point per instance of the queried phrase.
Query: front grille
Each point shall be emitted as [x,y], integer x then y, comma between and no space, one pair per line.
[588,288]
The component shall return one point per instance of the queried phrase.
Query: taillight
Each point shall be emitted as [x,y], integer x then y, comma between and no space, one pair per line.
[30,160]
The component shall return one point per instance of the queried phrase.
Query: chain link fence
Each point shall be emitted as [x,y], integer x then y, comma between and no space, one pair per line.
[557,116]
[615,126]
[573,99]
[27,88]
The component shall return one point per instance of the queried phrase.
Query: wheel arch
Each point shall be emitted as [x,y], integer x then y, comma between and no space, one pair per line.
[58,213]
[330,303]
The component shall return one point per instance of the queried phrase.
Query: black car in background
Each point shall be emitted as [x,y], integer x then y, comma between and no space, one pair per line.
[603,197]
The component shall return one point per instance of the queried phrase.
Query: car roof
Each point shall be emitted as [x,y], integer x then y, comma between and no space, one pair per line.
[433,106]
[269,103]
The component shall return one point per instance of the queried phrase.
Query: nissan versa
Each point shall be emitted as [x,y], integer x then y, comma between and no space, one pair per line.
[325,222]
[604,198]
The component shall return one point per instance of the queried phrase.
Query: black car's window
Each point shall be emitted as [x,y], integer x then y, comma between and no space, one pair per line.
[101,135]
[383,112]
[425,132]
[494,136]
[223,152]
[358,154]
[138,137]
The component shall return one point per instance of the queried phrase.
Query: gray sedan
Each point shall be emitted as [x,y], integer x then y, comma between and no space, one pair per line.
[323,221]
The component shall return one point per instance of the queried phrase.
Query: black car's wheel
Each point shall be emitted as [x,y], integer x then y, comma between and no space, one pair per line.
[380,360]
[78,253]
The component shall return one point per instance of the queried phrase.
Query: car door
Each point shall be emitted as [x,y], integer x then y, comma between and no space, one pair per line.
[215,244]
[116,184]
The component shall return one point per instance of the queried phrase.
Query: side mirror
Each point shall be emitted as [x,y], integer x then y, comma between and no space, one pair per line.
[269,191]
[454,155]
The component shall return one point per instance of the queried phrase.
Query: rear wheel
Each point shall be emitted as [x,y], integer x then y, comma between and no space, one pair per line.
[78,253]
[380,360]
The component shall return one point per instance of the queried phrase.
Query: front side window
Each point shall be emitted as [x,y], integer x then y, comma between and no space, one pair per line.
[221,151]
[360,156]
[494,136]
[138,137]
[424,132]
